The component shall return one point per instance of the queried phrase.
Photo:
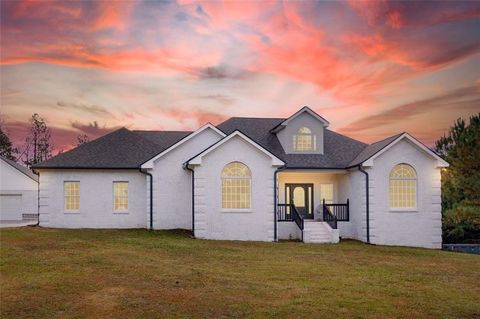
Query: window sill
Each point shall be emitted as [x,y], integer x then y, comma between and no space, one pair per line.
[234,210]
[403,210]
[120,212]
[72,212]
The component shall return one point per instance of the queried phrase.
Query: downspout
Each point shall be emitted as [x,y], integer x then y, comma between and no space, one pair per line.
[275,201]
[193,197]
[360,168]
[151,196]
[38,198]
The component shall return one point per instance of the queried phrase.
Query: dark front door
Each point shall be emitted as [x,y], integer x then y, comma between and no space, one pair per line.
[300,195]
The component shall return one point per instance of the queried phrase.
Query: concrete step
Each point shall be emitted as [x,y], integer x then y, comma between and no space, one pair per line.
[319,232]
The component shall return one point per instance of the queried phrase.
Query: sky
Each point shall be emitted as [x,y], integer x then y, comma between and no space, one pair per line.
[371,68]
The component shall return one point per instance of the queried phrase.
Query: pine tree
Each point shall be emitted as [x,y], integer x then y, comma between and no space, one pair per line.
[461,181]
[7,149]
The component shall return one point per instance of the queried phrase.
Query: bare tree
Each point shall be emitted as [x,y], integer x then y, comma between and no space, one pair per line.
[38,144]
[82,139]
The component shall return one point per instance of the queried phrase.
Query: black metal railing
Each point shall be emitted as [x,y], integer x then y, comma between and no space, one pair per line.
[284,213]
[328,217]
[289,213]
[340,211]
[297,218]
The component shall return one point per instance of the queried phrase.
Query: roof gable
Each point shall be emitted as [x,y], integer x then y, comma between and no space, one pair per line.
[367,157]
[197,159]
[22,169]
[149,163]
[304,109]
[371,150]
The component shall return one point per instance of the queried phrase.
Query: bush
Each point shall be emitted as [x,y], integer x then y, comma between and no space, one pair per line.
[461,223]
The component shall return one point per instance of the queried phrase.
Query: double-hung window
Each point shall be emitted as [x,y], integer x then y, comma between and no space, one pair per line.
[120,196]
[71,192]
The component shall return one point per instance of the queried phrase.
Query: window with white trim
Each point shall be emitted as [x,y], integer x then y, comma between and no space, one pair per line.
[120,196]
[71,192]
[236,186]
[326,193]
[403,187]
[304,140]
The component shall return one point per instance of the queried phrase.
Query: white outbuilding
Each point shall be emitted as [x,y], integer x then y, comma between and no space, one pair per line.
[18,192]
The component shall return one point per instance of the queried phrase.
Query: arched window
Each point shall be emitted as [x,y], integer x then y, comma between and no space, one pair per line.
[304,140]
[403,187]
[236,186]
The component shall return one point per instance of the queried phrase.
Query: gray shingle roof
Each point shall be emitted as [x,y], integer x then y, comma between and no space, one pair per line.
[119,149]
[258,129]
[372,149]
[129,149]
[164,139]
[339,150]
[21,168]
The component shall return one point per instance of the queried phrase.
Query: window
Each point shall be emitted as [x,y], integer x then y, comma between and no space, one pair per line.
[403,187]
[236,184]
[120,196]
[72,195]
[326,193]
[304,140]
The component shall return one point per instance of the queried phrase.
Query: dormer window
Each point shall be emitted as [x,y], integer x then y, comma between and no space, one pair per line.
[304,140]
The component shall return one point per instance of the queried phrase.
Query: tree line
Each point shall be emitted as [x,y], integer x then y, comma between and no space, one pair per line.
[38,146]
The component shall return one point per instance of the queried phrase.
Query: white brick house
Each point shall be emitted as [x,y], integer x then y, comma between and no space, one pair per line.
[259,179]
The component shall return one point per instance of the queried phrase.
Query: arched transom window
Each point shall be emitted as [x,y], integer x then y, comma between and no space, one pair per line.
[304,140]
[236,186]
[403,187]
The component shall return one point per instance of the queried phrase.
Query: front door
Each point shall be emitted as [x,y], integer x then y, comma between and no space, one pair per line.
[300,195]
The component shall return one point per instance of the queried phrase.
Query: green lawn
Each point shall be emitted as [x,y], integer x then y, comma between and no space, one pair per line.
[47,273]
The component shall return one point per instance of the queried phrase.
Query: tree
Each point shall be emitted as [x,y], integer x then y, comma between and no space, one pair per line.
[38,144]
[82,139]
[461,181]
[7,149]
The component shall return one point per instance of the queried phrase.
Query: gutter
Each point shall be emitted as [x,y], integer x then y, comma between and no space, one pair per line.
[151,196]
[367,191]
[282,168]
[38,198]
[193,197]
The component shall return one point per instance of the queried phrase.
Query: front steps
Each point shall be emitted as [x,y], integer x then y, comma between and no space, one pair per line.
[319,232]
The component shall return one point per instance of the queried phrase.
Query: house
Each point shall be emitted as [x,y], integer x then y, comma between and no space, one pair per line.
[18,192]
[261,179]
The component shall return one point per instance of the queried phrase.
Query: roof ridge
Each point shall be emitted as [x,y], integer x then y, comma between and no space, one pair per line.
[160,131]
[123,128]
[350,138]
[386,138]
[252,117]
[94,143]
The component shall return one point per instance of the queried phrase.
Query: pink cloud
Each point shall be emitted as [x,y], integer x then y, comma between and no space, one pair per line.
[399,14]
[357,54]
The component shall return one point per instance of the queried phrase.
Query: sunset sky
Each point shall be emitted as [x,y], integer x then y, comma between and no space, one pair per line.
[372,68]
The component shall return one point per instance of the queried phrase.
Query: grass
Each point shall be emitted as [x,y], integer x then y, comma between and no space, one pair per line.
[50,273]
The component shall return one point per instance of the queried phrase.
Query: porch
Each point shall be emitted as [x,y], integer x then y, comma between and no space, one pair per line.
[312,204]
